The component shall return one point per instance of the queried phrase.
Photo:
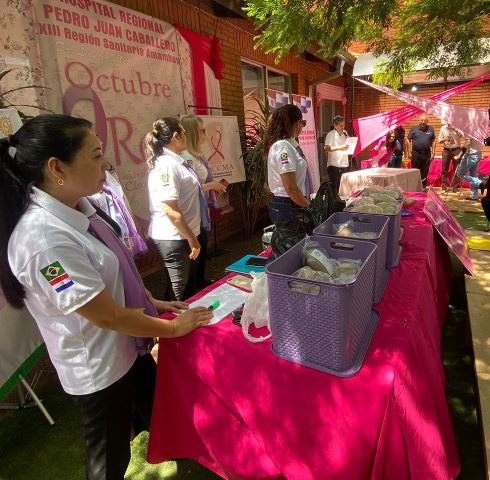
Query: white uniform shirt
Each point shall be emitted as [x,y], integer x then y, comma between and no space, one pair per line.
[62,267]
[283,158]
[170,179]
[338,158]
[453,133]
[197,166]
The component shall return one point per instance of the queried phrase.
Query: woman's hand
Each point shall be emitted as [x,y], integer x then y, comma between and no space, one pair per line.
[190,320]
[195,248]
[174,307]
[219,188]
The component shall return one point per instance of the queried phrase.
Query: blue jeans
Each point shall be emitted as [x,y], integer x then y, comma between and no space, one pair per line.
[282,210]
[395,161]
[469,164]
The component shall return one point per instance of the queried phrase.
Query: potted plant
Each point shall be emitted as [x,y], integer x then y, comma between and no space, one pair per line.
[253,190]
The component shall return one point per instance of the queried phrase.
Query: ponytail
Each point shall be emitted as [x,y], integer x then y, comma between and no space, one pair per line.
[161,135]
[14,199]
[40,138]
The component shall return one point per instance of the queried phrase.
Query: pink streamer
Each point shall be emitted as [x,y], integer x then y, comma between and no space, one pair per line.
[371,128]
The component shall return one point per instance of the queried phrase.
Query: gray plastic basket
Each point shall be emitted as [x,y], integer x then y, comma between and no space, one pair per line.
[393,248]
[330,329]
[364,222]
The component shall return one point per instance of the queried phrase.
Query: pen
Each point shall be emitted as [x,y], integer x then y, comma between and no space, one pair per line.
[214,305]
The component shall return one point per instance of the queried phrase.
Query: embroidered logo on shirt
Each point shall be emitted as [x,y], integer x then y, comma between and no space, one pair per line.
[284,158]
[164,178]
[57,277]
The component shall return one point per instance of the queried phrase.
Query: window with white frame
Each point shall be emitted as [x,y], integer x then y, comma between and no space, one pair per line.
[256,78]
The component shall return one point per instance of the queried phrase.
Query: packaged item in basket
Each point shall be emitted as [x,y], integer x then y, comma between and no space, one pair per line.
[354,202]
[388,208]
[347,270]
[366,208]
[310,274]
[317,258]
[345,229]
[383,197]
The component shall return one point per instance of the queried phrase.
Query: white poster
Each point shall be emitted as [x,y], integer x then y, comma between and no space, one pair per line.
[116,67]
[307,139]
[223,149]
[19,338]
[19,335]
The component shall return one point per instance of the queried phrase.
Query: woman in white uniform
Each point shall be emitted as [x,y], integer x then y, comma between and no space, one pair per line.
[61,258]
[175,204]
[196,138]
[287,168]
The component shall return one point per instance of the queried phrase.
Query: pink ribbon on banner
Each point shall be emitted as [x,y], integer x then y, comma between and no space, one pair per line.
[216,150]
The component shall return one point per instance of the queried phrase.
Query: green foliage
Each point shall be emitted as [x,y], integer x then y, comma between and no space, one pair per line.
[253,191]
[443,34]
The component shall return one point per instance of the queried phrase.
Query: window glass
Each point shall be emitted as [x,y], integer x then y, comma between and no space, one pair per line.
[277,81]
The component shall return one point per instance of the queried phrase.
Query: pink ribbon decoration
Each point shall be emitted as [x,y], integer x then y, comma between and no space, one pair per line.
[371,128]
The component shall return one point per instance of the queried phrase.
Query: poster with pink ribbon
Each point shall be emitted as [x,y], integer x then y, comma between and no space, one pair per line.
[448,227]
[223,149]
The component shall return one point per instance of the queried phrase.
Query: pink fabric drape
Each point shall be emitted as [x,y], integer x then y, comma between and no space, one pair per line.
[371,128]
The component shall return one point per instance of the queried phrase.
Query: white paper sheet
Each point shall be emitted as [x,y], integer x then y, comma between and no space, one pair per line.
[230,298]
[351,142]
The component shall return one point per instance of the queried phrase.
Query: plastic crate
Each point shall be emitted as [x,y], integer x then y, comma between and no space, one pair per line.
[393,248]
[330,329]
[364,222]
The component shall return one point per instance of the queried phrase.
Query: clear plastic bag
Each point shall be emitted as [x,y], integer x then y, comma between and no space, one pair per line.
[345,229]
[256,308]
[316,257]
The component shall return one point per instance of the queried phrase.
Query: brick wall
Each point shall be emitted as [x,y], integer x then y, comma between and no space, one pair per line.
[368,101]
[236,43]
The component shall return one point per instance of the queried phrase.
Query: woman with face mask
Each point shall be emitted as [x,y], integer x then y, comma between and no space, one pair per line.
[64,261]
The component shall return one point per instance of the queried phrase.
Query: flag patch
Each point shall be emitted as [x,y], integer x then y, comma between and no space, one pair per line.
[164,178]
[284,158]
[57,277]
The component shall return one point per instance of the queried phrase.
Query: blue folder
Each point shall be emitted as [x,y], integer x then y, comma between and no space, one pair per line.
[240,267]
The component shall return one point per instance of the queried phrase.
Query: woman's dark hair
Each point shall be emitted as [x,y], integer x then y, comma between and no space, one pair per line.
[388,142]
[280,125]
[161,135]
[337,119]
[39,139]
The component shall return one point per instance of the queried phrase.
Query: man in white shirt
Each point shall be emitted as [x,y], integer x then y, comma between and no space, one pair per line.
[450,137]
[335,147]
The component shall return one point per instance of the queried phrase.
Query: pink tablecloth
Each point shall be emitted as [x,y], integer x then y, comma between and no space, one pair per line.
[244,413]
[435,169]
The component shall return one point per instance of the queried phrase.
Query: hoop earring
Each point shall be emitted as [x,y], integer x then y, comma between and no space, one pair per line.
[60,182]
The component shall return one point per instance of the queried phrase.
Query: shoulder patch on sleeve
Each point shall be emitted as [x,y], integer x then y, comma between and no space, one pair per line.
[284,157]
[57,277]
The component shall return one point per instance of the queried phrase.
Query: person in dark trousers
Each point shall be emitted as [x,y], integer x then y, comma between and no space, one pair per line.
[422,148]
[63,260]
[335,148]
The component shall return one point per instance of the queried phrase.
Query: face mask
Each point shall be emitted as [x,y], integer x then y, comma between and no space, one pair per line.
[256,309]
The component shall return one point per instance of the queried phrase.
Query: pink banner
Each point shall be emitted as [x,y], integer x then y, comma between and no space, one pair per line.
[371,128]
[448,227]
[472,121]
